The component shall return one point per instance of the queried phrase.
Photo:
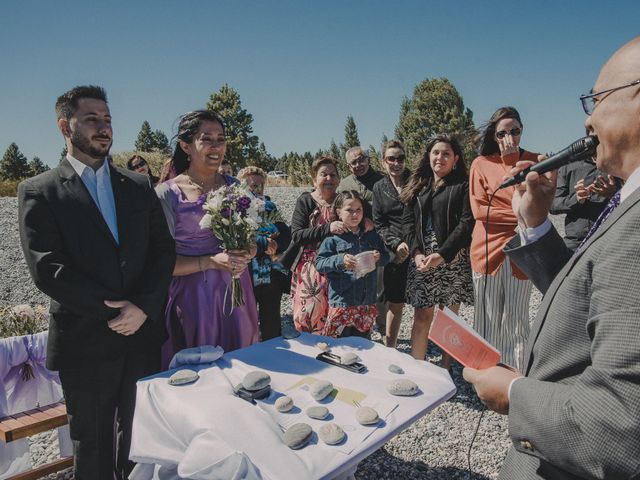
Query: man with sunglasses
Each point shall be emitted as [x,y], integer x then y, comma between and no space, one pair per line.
[576,412]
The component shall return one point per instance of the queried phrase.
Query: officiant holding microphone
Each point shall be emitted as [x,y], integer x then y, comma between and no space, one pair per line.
[96,241]
[575,412]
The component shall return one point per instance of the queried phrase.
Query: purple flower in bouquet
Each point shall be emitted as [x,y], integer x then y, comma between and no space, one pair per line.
[226,212]
[242,205]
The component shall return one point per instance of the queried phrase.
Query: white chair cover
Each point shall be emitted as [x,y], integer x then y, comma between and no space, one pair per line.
[19,393]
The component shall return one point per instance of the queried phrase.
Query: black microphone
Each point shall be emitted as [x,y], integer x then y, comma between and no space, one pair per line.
[579,150]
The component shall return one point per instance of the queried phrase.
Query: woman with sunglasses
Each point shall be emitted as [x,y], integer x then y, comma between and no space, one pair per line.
[502,291]
[437,223]
[140,165]
[387,218]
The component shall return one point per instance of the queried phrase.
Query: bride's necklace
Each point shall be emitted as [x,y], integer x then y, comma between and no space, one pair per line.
[202,184]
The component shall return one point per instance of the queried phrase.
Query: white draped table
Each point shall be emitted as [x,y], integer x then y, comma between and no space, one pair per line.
[203,431]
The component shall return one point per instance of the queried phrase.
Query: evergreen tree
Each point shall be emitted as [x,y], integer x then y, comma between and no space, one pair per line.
[242,145]
[160,142]
[338,153]
[63,153]
[13,165]
[375,159]
[435,107]
[263,159]
[36,166]
[145,141]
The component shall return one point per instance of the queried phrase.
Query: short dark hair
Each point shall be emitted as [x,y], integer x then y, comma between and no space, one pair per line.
[391,144]
[323,160]
[67,103]
[187,128]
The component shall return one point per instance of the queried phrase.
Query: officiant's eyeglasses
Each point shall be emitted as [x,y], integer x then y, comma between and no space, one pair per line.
[589,101]
[514,132]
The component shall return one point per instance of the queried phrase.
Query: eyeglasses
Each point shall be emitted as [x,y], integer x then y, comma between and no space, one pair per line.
[589,102]
[514,132]
[141,163]
[359,160]
[392,159]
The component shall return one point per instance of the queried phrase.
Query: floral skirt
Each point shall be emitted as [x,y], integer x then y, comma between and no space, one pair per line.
[309,295]
[361,317]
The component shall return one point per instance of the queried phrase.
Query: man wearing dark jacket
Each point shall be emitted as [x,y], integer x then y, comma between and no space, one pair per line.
[582,193]
[96,241]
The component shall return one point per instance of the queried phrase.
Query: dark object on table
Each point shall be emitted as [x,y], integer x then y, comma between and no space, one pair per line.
[252,396]
[333,359]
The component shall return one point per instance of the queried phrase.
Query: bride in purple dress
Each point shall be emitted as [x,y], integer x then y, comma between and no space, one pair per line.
[195,312]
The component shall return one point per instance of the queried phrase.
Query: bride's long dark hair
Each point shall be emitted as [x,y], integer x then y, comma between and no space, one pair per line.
[187,128]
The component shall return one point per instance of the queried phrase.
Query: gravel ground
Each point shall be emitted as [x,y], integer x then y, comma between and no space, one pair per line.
[434,447]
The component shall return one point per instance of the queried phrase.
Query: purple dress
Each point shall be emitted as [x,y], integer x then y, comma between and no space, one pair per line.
[194,314]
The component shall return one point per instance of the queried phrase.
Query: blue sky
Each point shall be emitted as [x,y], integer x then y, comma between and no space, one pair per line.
[302,66]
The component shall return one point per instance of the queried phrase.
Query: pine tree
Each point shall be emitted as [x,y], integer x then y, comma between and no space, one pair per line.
[242,145]
[13,165]
[36,166]
[263,159]
[351,138]
[160,142]
[145,141]
[435,107]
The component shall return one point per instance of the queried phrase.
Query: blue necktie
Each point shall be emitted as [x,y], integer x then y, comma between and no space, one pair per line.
[606,213]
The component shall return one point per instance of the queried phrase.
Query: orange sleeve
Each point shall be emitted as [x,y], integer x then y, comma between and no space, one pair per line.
[479,197]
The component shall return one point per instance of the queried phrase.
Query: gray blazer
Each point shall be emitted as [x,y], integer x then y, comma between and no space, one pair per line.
[577,412]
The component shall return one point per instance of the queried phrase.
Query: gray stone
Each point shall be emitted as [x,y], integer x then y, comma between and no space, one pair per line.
[320,389]
[393,368]
[297,435]
[367,416]
[324,346]
[402,387]
[331,434]
[255,380]
[184,376]
[284,404]
[349,358]
[289,332]
[318,412]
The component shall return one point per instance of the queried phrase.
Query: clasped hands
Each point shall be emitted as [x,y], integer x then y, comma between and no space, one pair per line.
[129,320]
[604,187]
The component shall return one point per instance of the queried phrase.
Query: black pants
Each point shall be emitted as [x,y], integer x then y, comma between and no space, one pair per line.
[268,299]
[98,396]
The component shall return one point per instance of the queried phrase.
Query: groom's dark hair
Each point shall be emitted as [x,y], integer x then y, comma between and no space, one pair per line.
[67,103]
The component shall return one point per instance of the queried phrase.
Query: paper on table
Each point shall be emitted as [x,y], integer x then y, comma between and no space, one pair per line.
[342,404]
[459,340]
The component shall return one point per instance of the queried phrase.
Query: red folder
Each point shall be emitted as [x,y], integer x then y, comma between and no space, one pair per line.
[454,336]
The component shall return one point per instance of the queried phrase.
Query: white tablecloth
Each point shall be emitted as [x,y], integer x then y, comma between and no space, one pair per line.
[203,431]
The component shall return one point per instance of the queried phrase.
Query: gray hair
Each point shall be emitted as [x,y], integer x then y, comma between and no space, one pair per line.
[353,150]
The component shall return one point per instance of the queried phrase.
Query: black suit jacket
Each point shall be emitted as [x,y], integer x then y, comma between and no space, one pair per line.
[74,259]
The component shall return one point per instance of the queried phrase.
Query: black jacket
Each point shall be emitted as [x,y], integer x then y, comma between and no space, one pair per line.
[74,259]
[302,233]
[579,216]
[388,211]
[451,218]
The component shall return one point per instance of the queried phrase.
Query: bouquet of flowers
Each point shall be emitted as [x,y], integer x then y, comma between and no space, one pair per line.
[233,215]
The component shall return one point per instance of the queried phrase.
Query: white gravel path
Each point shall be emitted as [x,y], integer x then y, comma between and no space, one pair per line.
[435,447]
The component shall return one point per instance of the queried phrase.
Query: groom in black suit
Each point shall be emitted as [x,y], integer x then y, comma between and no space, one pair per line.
[96,241]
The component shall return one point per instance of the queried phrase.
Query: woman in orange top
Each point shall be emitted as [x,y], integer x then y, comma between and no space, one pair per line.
[502,307]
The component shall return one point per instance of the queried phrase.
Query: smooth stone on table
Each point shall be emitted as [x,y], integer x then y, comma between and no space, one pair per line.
[184,376]
[367,416]
[393,368]
[331,433]
[255,380]
[284,404]
[297,435]
[349,358]
[318,412]
[402,387]
[320,389]
[324,346]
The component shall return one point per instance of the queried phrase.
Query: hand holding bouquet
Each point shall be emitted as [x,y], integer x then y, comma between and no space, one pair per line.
[233,215]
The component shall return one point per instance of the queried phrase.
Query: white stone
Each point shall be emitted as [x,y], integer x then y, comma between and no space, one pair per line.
[318,412]
[402,387]
[331,434]
[349,358]
[284,404]
[367,416]
[297,436]
[255,380]
[320,389]
[183,376]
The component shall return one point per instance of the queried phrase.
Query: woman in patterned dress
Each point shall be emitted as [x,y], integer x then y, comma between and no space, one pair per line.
[437,222]
[312,221]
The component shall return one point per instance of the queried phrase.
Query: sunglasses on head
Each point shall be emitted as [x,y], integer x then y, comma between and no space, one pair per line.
[141,163]
[393,159]
[514,132]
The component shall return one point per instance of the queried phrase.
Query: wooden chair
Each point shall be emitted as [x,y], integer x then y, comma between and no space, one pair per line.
[29,423]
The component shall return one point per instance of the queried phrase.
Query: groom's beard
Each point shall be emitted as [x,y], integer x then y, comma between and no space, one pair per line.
[84,145]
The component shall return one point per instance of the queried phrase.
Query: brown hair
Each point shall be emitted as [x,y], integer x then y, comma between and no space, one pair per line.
[391,144]
[424,174]
[323,160]
[348,195]
[251,170]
